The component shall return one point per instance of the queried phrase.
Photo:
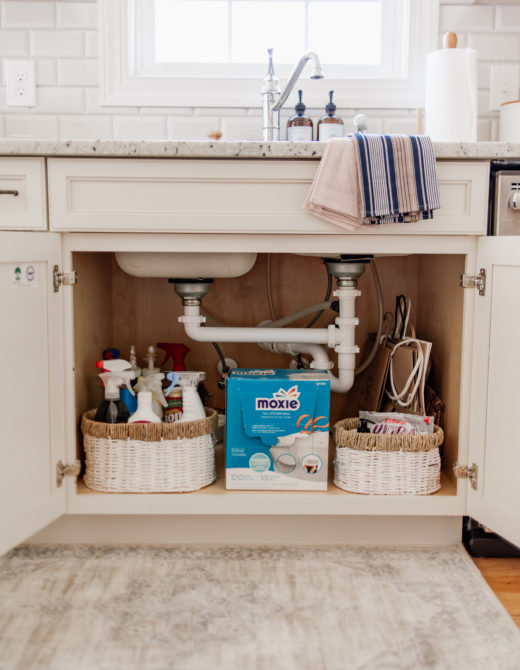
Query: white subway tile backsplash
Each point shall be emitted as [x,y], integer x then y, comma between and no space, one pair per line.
[91,44]
[85,127]
[62,37]
[484,130]
[245,128]
[191,128]
[77,15]
[496,47]
[46,72]
[466,18]
[93,106]
[24,14]
[31,126]
[405,125]
[76,72]
[56,43]
[59,99]
[508,19]
[139,128]
[14,43]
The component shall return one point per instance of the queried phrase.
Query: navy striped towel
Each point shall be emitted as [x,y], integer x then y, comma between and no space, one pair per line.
[372,179]
[397,178]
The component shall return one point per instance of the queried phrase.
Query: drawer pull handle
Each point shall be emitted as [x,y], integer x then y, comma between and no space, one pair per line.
[9,192]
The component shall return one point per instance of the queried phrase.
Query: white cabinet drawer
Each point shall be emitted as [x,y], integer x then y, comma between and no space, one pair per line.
[23,203]
[231,196]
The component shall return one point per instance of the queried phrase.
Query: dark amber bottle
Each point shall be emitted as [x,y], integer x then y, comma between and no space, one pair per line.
[330,125]
[299,126]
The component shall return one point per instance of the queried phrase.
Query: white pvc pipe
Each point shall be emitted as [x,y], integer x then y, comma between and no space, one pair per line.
[201,333]
[297,315]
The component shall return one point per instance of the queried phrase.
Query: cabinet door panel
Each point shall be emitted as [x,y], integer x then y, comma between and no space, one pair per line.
[31,395]
[494,432]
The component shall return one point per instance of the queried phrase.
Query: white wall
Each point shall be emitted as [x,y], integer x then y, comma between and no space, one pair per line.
[62,37]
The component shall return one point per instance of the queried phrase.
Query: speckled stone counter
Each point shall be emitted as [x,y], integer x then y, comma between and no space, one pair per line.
[225,149]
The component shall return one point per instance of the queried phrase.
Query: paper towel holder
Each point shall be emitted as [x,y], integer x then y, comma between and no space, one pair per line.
[449,41]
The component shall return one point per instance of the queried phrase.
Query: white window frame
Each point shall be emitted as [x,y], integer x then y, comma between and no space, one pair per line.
[128,79]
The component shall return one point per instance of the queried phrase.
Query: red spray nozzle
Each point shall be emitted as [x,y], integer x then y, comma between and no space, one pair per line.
[176,351]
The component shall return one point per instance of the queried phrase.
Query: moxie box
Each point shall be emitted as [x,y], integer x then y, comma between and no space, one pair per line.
[277,429]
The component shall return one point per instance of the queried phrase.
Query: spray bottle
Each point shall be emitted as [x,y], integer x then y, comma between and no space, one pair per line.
[176,351]
[152,383]
[116,373]
[173,395]
[150,368]
[144,412]
[192,407]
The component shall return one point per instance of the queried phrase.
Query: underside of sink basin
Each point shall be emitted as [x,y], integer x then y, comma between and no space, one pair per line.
[185,265]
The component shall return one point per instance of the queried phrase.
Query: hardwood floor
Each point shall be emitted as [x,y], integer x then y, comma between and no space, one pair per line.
[503,576]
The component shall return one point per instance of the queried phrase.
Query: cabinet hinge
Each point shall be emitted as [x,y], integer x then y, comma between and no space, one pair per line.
[467,472]
[66,470]
[63,278]
[475,281]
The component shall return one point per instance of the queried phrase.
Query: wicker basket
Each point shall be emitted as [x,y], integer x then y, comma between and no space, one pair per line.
[149,457]
[401,465]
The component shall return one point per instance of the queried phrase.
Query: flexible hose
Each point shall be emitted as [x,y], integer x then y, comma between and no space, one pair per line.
[327,297]
[376,346]
[269,287]
[294,317]
[225,367]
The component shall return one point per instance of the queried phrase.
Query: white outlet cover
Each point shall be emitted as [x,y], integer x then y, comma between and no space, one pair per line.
[504,85]
[20,78]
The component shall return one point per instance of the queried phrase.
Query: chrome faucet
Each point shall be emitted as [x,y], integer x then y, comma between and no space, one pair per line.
[273,100]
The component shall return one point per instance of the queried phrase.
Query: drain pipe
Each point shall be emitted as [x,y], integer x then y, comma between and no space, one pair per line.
[345,345]
[339,336]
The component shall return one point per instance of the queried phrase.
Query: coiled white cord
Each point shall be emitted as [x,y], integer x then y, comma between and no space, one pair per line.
[416,374]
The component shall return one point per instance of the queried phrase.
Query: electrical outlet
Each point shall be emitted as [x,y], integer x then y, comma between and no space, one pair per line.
[21,83]
[504,85]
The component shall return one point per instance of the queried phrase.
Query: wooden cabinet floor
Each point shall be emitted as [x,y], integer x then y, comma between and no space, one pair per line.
[503,576]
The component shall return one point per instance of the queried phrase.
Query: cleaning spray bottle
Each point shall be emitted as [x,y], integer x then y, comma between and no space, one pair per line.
[144,412]
[116,373]
[152,383]
[130,399]
[192,407]
[150,368]
[176,351]
[173,395]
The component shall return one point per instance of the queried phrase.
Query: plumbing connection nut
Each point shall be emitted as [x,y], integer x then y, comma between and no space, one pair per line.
[321,366]
[191,320]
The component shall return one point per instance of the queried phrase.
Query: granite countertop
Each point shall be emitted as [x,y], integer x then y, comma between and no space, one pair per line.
[226,149]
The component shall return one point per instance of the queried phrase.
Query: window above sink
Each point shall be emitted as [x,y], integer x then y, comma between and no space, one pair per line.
[202,59]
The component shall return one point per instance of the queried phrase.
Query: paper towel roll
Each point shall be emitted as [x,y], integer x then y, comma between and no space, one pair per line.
[451,95]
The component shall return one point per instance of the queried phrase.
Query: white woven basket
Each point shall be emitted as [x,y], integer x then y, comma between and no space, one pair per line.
[386,464]
[149,458]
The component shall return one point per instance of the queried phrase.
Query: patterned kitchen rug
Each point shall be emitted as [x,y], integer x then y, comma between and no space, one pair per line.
[71,607]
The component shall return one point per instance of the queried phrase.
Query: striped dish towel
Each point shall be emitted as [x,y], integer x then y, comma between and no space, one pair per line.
[397,178]
[372,179]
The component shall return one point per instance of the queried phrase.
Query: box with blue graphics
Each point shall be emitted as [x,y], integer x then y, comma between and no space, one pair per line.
[277,429]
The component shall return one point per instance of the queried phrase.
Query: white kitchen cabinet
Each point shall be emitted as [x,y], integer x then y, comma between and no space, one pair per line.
[32,393]
[226,196]
[455,319]
[23,194]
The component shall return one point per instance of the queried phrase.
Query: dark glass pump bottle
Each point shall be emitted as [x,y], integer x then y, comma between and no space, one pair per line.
[330,125]
[299,126]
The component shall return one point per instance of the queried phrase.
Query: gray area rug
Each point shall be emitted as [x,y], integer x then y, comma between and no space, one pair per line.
[250,608]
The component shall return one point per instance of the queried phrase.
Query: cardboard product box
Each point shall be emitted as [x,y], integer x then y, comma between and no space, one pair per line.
[277,429]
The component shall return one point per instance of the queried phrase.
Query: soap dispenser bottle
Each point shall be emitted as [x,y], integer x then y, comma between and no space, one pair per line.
[330,125]
[299,126]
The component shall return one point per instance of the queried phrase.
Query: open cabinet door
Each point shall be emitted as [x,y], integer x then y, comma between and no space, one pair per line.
[495,393]
[31,390]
